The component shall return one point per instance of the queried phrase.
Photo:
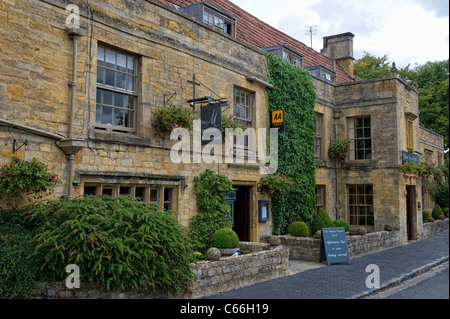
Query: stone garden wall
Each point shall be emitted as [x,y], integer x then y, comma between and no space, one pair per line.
[258,264]
[308,249]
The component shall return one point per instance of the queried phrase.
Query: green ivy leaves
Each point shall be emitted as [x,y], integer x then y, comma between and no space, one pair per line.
[295,94]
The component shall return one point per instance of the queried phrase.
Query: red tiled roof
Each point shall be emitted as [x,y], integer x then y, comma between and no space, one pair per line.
[255,32]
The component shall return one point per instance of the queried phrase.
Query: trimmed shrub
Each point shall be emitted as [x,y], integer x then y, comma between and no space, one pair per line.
[425,215]
[117,242]
[322,220]
[437,211]
[225,238]
[298,229]
[342,223]
[445,210]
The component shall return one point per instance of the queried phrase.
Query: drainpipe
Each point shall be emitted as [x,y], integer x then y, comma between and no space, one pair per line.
[75,33]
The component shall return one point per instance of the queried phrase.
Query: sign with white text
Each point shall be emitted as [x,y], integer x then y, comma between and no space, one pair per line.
[333,246]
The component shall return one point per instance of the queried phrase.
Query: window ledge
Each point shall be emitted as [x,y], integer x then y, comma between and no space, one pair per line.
[360,163]
[119,137]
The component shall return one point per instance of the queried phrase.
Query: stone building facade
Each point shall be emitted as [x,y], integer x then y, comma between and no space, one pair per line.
[95,130]
[131,58]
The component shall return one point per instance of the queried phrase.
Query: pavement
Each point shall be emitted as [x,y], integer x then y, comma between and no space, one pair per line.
[309,280]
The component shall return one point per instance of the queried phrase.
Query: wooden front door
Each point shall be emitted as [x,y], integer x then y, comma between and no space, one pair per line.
[410,208]
[242,213]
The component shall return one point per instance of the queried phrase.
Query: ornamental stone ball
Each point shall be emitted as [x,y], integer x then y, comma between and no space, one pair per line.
[362,231]
[274,241]
[318,234]
[213,254]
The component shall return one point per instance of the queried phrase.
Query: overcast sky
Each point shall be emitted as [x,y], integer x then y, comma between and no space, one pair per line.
[409,31]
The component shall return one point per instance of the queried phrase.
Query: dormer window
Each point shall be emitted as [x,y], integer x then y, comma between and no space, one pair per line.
[322,72]
[286,53]
[212,16]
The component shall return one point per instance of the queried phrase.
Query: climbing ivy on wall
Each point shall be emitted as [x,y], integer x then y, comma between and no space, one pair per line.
[295,94]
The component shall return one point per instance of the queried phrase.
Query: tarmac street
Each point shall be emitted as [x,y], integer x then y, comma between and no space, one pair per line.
[342,281]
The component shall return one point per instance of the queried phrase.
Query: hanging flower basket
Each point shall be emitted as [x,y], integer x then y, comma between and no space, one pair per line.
[167,119]
[339,150]
[277,183]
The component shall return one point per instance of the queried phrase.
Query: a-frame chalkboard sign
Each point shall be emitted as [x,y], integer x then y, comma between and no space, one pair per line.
[333,246]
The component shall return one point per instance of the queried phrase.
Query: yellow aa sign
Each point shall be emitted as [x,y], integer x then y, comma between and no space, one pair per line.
[277,117]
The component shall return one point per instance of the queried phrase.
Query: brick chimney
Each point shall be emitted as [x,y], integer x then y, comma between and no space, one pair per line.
[340,48]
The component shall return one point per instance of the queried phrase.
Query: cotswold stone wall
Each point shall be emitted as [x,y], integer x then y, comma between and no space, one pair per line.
[212,277]
[434,228]
[308,249]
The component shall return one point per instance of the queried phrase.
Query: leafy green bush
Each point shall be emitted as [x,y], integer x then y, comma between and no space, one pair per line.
[118,242]
[298,229]
[425,215]
[342,223]
[22,178]
[225,238]
[19,267]
[442,195]
[437,211]
[322,220]
[445,210]
[210,189]
[295,94]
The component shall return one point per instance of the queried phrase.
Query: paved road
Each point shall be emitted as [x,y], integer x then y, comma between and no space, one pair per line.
[349,281]
[436,287]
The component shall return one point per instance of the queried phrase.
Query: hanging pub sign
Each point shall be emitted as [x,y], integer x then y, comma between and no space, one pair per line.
[333,246]
[277,120]
[211,117]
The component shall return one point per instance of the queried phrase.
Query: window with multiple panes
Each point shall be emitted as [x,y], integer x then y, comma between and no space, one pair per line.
[116,98]
[292,59]
[164,196]
[218,21]
[360,136]
[243,110]
[318,136]
[360,205]
[320,197]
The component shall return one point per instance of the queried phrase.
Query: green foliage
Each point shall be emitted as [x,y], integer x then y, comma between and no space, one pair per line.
[322,220]
[118,242]
[19,267]
[210,190]
[342,223]
[445,210]
[424,171]
[339,150]
[295,94]
[298,229]
[372,67]
[230,122]
[225,238]
[277,183]
[437,211]
[442,195]
[167,119]
[22,178]
[425,215]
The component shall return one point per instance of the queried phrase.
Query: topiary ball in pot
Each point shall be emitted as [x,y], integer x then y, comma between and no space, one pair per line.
[226,240]
[298,229]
